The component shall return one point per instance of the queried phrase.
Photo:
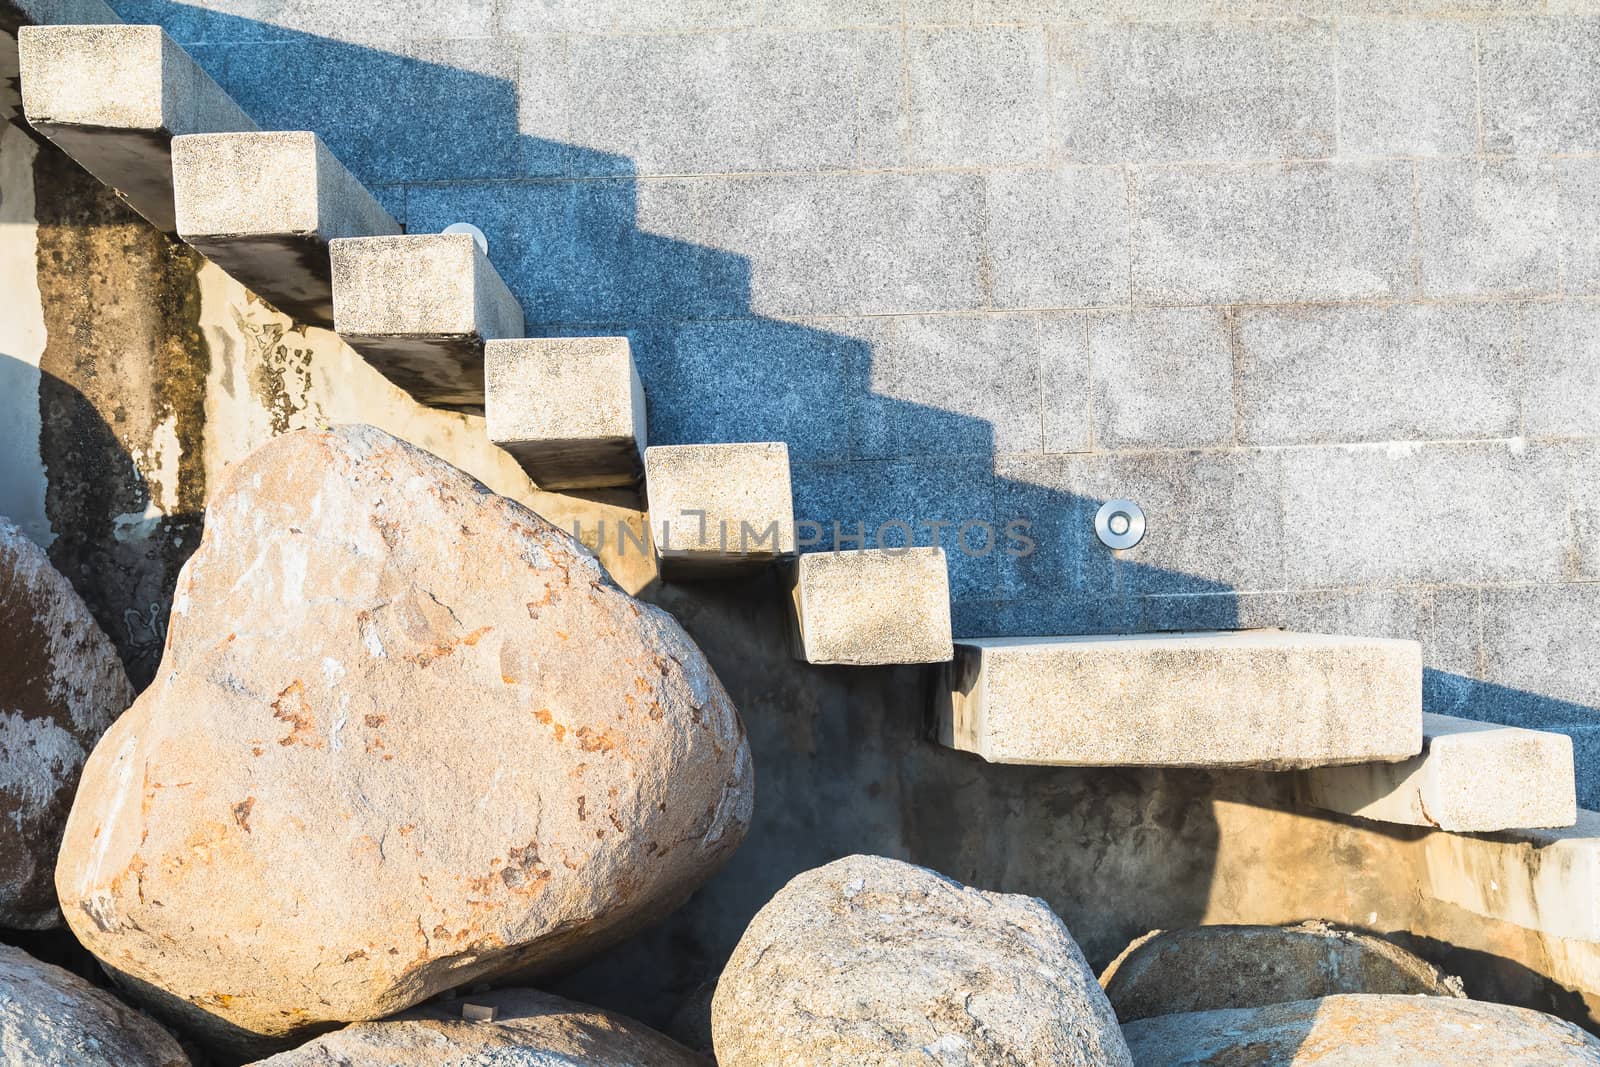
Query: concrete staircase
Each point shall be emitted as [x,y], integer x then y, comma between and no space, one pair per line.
[283,216]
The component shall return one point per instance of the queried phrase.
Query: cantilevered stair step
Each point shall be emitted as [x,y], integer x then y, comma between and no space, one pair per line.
[871,607]
[1472,777]
[419,308]
[719,510]
[113,98]
[1266,699]
[571,410]
[263,207]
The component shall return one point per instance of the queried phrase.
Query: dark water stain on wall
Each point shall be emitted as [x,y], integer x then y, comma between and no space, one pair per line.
[122,375]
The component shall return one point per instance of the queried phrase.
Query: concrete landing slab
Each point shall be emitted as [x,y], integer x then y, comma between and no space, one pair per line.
[570,409]
[719,510]
[871,607]
[419,308]
[1268,699]
[1472,777]
[263,207]
[113,98]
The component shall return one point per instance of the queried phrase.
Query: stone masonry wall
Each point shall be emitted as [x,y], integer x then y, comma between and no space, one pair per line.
[1316,289]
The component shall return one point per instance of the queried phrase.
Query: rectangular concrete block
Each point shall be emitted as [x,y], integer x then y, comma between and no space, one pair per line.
[263,207]
[1269,699]
[1471,777]
[1272,232]
[1396,372]
[1489,227]
[1542,879]
[1056,238]
[113,97]
[871,607]
[1537,93]
[419,307]
[977,97]
[1429,64]
[719,509]
[570,409]
[1165,91]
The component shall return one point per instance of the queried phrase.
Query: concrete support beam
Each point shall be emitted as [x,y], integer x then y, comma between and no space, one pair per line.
[570,409]
[420,307]
[1269,699]
[113,98]
[263,207]
[1471,777]
[871,606]
[719,510]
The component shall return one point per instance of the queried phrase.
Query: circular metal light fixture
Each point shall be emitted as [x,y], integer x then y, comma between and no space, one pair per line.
[1119,524]
[467,227]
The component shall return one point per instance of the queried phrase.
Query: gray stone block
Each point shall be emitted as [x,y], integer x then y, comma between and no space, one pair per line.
[570,409]
[1578,183]
[625,16]
[1393,372]
[263,207]
[719,509]
[1583,507]
[113,98]
[1163,378]
[419,308]
[66,12]
[851,243]
[1428,64]
[946,385]
[1164,91]
[1471,777]
[1561,351]
[824,100]
[871,607]
[1537,92]
[1259,698]
[1272,233]
[1538,646]
[1489,227]
[1056,238]
[1461,513]
[978,97]
[1213,522]
[415,110]
[1064,382]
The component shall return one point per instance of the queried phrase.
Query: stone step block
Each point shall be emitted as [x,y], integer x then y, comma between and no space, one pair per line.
[871,607]
[263,207]
[1268,699]
[419,308]
[718,510]
[113,98]
[1472,777]
[570,409]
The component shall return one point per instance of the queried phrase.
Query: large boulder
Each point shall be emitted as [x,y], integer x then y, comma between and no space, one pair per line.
[405,735]
[61,685]
[1205,968]
[51,1016]
[529,1029]
[870,961]
[1362,1031]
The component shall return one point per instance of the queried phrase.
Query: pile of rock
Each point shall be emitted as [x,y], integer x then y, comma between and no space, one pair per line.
[408,739]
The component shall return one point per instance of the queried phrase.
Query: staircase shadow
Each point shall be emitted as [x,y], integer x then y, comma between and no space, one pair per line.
[589,247]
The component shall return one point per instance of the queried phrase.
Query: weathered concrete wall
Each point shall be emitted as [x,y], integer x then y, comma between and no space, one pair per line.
[1313,290]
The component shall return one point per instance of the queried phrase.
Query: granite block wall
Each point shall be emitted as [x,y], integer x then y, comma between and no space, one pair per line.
[1317,285]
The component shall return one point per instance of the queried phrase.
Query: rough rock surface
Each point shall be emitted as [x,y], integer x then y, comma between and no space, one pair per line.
[51,1016]
[405,735]
[1363,1031]
[870,961]
[1206,968]
[530,1029]
[61,685]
